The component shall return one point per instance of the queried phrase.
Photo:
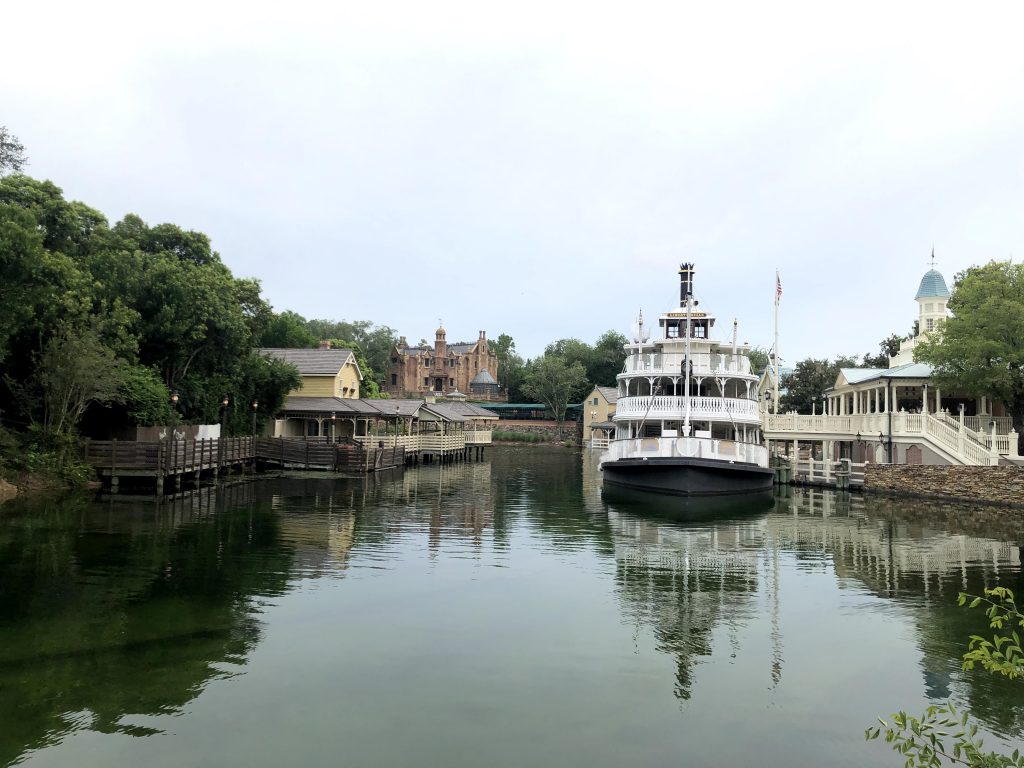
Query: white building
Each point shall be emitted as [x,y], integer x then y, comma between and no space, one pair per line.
[895,414]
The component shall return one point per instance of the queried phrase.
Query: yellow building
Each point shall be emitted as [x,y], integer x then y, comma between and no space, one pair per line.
[598,409]
[325,372]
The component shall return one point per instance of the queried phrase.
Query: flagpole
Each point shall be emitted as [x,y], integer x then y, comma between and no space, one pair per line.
[778,374]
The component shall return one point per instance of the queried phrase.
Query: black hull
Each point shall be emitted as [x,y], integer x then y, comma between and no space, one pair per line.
[687,477]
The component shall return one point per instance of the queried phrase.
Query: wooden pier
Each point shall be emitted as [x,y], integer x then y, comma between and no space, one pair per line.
[166,464]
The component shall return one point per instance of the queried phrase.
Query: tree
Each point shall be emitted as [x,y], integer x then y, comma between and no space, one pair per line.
[12,152]
[607,359]
[887,348]
[758,359]
[287,330]
[510,366]
[552,381]
[980,349]
[806,386]
[923,740]
[76,369]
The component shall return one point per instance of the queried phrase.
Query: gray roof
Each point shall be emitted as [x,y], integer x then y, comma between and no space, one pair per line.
[908,371]
[445,411]
[312,362]
[483,377]
[933,285]
[611,394]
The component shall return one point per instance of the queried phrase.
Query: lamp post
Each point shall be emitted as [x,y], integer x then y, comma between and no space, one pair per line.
[334,417]
[255,405]
[174,411]
[225,402]
[398,410]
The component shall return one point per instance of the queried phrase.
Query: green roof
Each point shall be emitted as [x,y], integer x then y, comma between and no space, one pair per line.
[933,285]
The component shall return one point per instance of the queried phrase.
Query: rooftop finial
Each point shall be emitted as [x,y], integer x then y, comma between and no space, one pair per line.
[933,256]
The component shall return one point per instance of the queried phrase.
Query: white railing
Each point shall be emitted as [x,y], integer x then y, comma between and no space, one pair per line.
[825,472]
[662,364]
[478,437]
[599,442]
[982,424]
[667,407]
[687,447]
[941,430]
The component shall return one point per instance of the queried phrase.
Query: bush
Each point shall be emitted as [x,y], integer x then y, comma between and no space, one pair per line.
[515,437]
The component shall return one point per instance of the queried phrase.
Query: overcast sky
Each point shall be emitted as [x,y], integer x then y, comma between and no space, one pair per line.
[541,169]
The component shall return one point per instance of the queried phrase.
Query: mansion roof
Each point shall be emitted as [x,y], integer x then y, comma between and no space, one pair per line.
[611,394]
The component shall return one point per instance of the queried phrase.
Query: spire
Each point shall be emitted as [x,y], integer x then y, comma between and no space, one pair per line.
[933,255]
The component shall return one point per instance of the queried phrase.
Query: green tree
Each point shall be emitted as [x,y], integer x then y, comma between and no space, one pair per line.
[758,359]
[12,152]
[980,349]
[511,367]
[607,359]
[76,369]
[943,735]
[287,330]
[554,382]
[887,348]
[806,386]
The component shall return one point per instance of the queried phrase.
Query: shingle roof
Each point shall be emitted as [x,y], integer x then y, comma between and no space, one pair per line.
[471,411]
[611,394]
[933,285]
[483,377]
[311,362]
[907,371]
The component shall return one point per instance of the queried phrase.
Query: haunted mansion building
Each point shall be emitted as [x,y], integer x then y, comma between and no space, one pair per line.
[456,370]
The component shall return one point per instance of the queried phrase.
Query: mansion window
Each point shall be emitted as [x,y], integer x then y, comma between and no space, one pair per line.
[394,379]
[929,324]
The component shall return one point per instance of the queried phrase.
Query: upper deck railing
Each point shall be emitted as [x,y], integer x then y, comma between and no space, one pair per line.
[671,363]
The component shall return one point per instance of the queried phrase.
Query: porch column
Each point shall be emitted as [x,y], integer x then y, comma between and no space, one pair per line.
[938,400]
[886,400]
[826,458]
[924,398]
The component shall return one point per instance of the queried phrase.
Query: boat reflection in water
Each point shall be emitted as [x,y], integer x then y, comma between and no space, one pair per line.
[687,508]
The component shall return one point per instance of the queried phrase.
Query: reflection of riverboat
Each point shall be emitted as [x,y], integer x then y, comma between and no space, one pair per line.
[685,508]
[687,417]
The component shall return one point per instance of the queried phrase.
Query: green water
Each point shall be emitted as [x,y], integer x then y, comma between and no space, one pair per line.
[498,613]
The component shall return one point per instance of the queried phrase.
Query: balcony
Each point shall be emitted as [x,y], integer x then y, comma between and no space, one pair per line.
[702,364]
[669,408]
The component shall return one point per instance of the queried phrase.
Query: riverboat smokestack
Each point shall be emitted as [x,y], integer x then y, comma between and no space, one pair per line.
[685,282]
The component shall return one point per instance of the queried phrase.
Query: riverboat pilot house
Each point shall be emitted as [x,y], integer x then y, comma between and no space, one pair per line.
[469,369]
[897,415]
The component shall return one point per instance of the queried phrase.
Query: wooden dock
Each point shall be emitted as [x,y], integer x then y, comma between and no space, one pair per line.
[166,464]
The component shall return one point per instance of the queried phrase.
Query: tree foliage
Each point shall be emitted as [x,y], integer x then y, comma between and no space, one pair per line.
[553,381]
[943,735]
[97,322]
[805,387]
[12,152]
[980,349]
[887,348]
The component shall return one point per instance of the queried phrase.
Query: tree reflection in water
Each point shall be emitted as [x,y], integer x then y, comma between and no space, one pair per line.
[128,610]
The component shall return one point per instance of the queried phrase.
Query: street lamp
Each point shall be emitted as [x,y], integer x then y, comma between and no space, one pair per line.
[333,417]
[174,411]
[398,410]
[255,405]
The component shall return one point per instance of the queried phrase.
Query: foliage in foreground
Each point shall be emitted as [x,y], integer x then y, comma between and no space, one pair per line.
[943,735]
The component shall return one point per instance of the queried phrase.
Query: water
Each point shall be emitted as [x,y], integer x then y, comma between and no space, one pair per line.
[498,613]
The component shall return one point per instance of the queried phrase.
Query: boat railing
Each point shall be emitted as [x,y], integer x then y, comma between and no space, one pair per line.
[702,408]
[701,362]
[688,447]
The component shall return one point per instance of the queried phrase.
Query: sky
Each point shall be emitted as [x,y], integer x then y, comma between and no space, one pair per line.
[541,168]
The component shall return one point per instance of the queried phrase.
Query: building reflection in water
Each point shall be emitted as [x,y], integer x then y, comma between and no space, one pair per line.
[687,571]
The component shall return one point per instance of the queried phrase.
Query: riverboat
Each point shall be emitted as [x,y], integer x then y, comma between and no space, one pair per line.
[687,419]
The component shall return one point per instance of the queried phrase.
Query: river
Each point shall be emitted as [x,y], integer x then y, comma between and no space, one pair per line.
[492,613]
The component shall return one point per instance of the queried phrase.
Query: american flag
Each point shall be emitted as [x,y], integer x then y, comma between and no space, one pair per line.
[778,287]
